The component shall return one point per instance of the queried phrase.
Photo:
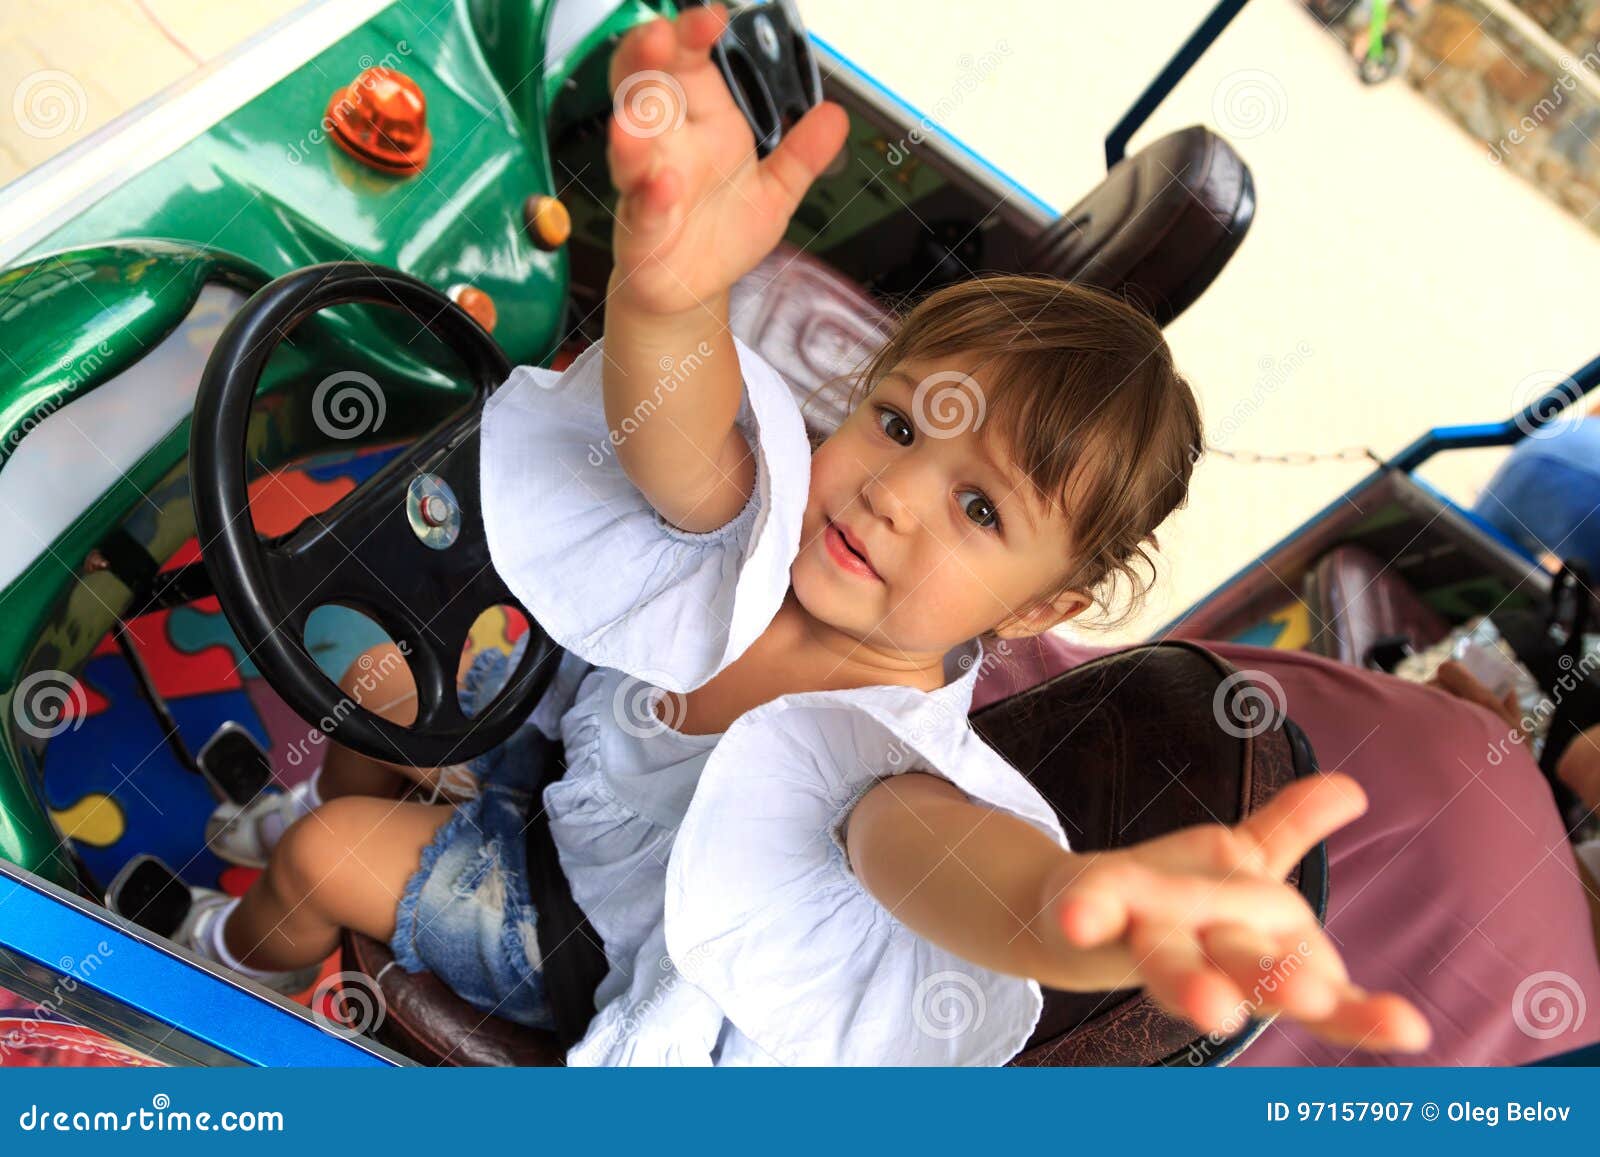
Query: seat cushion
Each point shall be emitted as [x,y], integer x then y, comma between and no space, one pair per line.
[1356,601]
[1159,227]
[424,1020]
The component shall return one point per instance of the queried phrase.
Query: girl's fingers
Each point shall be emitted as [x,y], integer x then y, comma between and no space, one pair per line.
[1179,975]
[805,150]
[1299,817]
[698,29]
[1381,1022]
[1271,979]
[676,58]
[643,48]
[648,213]
[629,155]
[1100,905]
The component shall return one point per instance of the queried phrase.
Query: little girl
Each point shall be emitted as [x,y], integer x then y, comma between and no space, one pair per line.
[774,813]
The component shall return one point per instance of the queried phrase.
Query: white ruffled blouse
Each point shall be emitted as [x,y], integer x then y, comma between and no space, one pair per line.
[712,866]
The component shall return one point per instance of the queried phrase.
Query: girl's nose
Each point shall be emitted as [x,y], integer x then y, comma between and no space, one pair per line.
[881,495]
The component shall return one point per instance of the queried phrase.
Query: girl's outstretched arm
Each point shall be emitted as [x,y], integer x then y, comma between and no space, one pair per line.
[695,212]
[1200,917]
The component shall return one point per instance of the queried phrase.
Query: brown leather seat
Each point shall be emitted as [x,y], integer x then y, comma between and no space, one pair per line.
[1126,747]
[1357,603]
[1159,227]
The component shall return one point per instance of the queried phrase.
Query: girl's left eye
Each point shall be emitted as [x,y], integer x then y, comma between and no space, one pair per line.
[981,510]
[897,422]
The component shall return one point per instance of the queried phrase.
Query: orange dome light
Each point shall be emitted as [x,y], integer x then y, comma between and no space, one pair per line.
[477,305]
[381,119]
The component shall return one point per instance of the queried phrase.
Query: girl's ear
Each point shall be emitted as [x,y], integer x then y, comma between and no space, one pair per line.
[1044,615]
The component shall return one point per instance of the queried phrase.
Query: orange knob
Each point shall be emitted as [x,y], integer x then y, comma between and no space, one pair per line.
[549,224]
[477,305]
[381,119]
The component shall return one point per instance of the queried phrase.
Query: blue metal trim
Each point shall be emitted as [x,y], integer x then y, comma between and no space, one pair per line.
[39,919]
[917,115]
[1541,412]
[1167,79]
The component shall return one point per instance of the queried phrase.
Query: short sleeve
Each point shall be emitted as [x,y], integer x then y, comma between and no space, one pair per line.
[594,563]
[764,914]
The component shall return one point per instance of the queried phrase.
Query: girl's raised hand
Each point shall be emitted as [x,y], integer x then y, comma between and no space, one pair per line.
[1203,919]
[695,209]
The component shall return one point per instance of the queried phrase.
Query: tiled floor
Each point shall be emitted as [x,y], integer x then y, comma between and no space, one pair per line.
[69,66]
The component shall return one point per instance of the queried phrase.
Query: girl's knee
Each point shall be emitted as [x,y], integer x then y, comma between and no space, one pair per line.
[322,843]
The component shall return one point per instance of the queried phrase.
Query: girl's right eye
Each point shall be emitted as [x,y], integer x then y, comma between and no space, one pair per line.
[897,423]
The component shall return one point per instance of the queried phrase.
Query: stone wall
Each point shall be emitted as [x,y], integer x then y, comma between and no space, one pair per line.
[1535,107]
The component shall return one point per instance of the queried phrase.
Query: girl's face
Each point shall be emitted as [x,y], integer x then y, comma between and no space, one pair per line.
[954,540]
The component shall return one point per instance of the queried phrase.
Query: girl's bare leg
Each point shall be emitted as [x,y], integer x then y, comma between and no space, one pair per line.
[380,681]
[345,865]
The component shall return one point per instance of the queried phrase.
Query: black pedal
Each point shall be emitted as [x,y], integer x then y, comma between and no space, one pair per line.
[150,894]
[234,764]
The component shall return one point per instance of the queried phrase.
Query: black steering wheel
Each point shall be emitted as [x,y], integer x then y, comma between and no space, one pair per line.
[406,548]
[766,60]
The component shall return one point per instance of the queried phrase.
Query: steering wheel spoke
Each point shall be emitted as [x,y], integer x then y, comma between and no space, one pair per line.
[407,547]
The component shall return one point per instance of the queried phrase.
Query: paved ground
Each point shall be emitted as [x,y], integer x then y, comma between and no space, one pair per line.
[69,66]
[1394,278]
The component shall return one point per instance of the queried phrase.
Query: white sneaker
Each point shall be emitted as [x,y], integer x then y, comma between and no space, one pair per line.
[198,935]
[246,835]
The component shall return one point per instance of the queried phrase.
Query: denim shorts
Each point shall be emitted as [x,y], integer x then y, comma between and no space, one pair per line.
[467,915]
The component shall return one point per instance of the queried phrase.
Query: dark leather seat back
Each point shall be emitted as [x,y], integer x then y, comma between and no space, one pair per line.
[1157,230]
[1126,747]
[1160,226]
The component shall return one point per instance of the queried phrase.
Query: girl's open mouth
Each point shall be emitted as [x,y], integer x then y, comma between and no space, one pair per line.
[845,556]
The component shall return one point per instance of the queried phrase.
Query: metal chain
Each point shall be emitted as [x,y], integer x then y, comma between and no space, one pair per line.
[1298,457]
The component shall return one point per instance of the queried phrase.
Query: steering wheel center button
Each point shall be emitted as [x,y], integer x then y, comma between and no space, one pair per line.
[433,511]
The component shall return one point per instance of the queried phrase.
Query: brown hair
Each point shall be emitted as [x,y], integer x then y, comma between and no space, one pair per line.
[1083,388]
